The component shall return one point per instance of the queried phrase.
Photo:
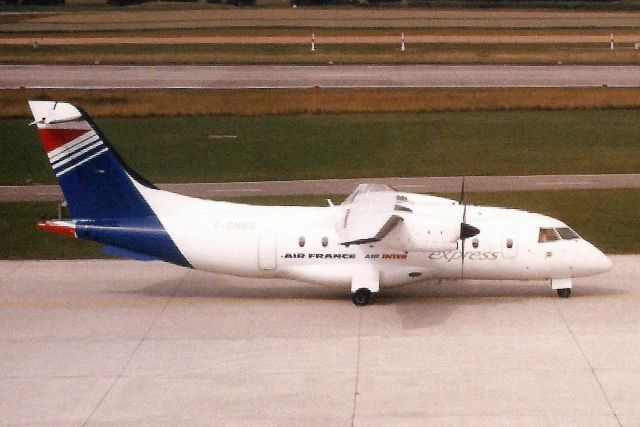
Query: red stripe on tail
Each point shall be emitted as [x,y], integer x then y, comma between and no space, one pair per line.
[54,138]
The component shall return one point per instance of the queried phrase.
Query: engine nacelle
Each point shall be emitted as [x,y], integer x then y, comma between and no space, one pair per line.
[422,234]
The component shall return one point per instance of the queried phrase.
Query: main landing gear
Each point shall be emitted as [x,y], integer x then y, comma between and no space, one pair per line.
[562,287]
[361,296]
[364,284]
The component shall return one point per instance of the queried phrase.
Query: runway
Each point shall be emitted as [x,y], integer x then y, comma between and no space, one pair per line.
[124,343]
[450,184]
[328,76]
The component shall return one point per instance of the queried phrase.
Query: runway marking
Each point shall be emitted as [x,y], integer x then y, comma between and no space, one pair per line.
[546,184]
[239,190]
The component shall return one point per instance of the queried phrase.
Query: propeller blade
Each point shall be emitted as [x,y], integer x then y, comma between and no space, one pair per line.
[466,230]
[462,266]
[462,227]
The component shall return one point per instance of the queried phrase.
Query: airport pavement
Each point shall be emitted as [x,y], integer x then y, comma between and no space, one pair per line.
[126,343]
[213,190]
[308,76]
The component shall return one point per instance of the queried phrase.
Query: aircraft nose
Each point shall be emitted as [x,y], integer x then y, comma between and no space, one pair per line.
[590,261]
[599,262]
[605,263]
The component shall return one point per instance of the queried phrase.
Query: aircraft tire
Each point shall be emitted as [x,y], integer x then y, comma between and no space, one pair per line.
[564,293]
[361,297]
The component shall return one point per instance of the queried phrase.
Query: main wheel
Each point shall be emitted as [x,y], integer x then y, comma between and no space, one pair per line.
[361,296]
[564,293]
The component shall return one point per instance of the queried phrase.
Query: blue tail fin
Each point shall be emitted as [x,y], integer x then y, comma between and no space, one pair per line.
[102,193]
[94,180]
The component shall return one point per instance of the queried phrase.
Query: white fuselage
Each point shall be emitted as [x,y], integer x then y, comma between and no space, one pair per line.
[303,243]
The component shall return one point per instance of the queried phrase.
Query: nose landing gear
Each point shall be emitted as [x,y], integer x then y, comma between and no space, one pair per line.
[564,293]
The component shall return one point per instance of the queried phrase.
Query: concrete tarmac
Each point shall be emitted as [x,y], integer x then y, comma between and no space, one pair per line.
[127,343]
[213,190]
[308,76]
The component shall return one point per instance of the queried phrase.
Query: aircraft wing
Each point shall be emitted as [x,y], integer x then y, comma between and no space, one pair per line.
[370,216]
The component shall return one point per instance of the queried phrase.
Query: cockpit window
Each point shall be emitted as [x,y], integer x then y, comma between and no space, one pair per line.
[547,235]
[567,234]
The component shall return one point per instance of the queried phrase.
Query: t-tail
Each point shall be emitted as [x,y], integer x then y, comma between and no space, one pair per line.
[103,195]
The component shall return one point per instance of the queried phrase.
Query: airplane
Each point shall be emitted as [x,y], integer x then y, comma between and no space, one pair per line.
[378,237]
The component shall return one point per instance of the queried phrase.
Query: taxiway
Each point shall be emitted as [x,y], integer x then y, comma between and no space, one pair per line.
[119,342]
[447,184]
[329,76]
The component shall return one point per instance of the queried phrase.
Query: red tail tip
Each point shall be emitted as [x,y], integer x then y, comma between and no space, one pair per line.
[59,227]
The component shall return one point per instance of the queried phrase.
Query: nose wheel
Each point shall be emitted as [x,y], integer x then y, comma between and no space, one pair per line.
[361,296]
[564,293]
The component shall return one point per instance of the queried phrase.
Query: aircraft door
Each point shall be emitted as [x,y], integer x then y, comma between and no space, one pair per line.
[267,251]
[509,245]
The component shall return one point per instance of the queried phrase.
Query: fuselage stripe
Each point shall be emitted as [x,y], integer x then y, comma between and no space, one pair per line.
[62,172]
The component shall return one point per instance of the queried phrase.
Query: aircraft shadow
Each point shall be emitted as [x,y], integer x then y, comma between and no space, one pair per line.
[418,306]
[423,307]
[206,285]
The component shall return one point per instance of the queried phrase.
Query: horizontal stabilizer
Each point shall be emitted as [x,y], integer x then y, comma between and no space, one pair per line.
[65,228]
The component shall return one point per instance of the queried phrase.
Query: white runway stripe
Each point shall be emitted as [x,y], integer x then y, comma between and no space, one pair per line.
[62,172]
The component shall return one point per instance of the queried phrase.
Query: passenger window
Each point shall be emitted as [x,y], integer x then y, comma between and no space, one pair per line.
[325,242]
[509,243]
[547,235]
[475,243]
[567,234]
[301,241]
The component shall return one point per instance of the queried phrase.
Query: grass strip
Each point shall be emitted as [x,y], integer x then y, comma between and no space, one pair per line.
[254,102]
[600,216]
[621,33]
[287,147]
[431,53]
[172,16]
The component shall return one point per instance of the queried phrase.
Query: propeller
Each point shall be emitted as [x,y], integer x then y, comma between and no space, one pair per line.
[466,230]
